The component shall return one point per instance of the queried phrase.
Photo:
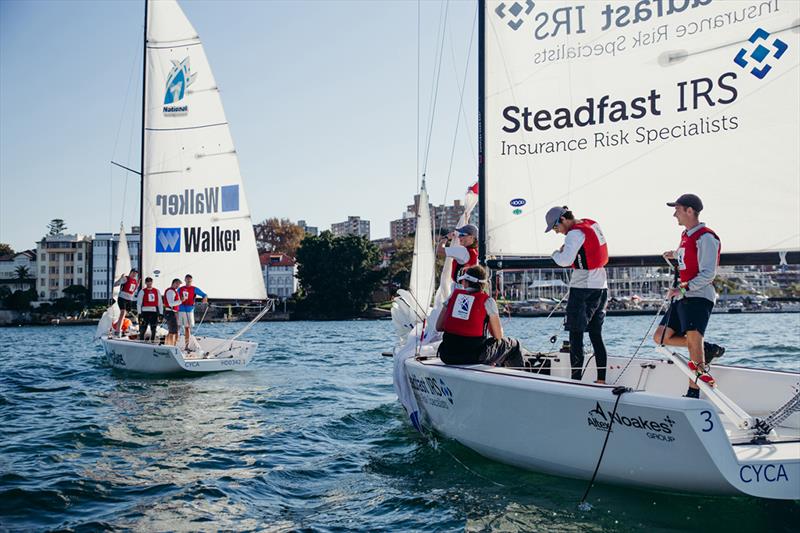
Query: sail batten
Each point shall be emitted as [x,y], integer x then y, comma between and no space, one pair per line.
[196,219]
[614,116]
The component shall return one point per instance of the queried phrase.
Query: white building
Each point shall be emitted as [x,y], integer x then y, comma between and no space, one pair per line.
[62,260]
[9,273]
[352,226]
[279,272]
[104,257]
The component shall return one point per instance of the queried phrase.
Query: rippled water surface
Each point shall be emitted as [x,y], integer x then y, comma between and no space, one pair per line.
[310,437]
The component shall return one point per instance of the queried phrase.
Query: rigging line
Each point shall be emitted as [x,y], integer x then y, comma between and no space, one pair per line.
[435,85]
[461,88]
[418,84]
[460,102]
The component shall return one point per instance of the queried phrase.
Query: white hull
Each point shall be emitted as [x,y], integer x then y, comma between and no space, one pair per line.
[148,358]
[659,440]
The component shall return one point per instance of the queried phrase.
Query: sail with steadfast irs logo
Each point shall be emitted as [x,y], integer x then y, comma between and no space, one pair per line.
[196,217]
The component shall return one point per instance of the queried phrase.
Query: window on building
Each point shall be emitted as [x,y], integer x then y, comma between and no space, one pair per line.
[42,282]
[80,270]
[52,256]
[80,256]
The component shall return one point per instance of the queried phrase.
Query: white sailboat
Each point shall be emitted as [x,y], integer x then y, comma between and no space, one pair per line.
[614,109]
[194,214]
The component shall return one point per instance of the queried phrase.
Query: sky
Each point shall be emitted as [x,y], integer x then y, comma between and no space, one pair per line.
[321,98]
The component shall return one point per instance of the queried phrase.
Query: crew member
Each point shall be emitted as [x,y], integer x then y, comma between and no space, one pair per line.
[586,251]
[127,295]
[463,248]
[172,302]
[149,307]
[188,294]
[692,300]
[466,316]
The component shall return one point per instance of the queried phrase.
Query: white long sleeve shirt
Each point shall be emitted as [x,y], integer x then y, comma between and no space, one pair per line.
[595,278]
[140,303]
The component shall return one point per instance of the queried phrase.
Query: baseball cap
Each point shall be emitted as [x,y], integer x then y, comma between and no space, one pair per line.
[688,200]
[553,216]
[469,229]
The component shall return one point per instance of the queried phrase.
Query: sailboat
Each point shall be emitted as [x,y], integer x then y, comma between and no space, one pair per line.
[193,211]
[614,109]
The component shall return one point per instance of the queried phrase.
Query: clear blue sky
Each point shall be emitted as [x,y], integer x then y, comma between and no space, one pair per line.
[321,97]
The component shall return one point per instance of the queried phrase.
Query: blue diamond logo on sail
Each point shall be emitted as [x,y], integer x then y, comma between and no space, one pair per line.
[760,53]
[517,12]
[168,240]
[178,81]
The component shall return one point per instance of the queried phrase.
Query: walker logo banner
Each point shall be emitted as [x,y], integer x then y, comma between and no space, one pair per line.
[199,201]
[759,53]
[463,306]
[178,80]
[515,13]
[168,240]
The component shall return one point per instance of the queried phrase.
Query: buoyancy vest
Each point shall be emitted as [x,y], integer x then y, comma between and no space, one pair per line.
[594,252]
[187,295]
[149,300]
[128,288]
[688,265]
[167,305]
[472,261]
[466,313]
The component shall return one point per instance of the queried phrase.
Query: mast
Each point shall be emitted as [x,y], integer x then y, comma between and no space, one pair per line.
[141,165]
[481,136]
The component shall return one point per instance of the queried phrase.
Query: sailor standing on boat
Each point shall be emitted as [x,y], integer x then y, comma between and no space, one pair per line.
[150,307]
[171,304]
[126,299]
[694,297]
[189,294]
[467,316]
[463,248]
[586,251]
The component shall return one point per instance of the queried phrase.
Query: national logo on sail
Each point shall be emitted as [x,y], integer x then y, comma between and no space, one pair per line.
[178,81]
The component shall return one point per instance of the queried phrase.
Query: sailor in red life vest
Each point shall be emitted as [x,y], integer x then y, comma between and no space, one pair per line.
[684,323]
[150,307]
[466,317]
[586,251]
[127,295]
[188,294]
[463,248]
[172,302]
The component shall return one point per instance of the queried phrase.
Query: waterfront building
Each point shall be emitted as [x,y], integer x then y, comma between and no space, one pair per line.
[63,261]
[280,274]
[444,218]
[310,230]
[352,226]
[10,266]
[104,257]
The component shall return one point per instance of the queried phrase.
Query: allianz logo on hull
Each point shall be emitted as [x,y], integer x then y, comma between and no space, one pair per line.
[196,240]
[194,202]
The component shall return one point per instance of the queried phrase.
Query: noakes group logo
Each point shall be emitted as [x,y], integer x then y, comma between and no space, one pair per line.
[168,240]
[517,13]
[179,79]
[759,53]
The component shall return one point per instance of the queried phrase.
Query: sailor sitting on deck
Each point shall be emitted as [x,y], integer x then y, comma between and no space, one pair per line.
[464,322]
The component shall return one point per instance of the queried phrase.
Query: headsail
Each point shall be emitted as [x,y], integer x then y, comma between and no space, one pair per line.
[614,111]
[196,218]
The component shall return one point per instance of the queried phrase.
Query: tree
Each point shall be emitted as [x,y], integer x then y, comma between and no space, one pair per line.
[22,272]
[5,249]
[76,292]
[20,300]
[56,226]
[279,236]
[337,275]
[402,259]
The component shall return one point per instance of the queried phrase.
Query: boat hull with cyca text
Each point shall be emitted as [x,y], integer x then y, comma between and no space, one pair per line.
[659,440]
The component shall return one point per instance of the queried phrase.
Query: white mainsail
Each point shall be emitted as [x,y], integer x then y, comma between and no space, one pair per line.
[196,219]
[614,108]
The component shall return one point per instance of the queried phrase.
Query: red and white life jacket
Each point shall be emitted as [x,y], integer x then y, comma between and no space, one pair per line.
[686,254]
[466,313]
[174,297]
[149,300]
[128,288]
[187,295]
[594,252]
[472,261]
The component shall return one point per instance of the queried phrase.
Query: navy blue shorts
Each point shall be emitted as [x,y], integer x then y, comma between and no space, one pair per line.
[586,309]
[688,314]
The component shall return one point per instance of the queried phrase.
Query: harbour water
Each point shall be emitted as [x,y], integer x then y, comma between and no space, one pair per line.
[310,438]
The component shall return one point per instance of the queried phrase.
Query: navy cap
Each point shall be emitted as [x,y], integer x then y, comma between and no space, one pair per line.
[688,200]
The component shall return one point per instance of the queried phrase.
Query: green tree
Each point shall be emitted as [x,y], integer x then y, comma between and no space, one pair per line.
[20,300]
[5,249]
[279,236]
[56,226]
[402,259]
[76,292]
[337,275]
[23,273]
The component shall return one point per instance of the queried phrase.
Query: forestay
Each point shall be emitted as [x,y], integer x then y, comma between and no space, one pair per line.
[614,108]
[195,214]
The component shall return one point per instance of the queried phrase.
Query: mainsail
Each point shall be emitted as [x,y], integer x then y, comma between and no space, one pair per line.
[614,108]
[195,214]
